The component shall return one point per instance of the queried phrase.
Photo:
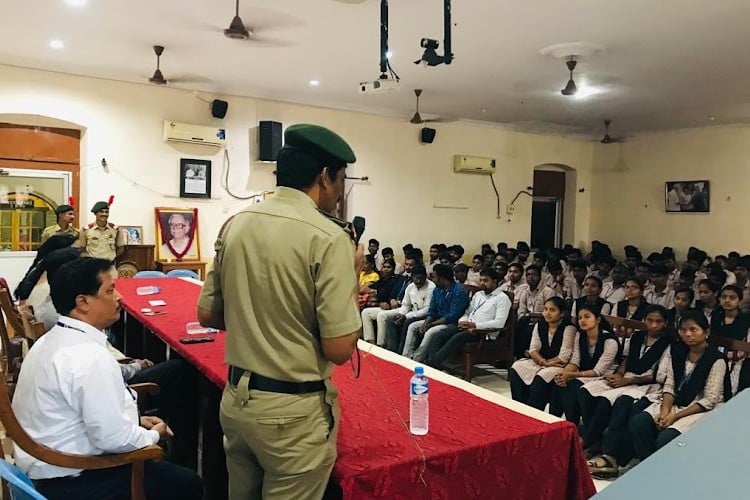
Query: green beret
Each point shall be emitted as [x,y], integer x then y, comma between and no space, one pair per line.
[99,205]
[319,141]
[61,209]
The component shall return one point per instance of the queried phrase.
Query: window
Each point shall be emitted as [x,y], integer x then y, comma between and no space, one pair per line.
[28,199]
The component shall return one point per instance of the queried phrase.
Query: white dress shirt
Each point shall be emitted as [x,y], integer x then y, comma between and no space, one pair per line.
[417,300]
[71,397]
[613,294]
[488,311]
[532,301]
[664,298]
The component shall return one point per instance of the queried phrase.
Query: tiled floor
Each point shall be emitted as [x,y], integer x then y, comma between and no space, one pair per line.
[495,380]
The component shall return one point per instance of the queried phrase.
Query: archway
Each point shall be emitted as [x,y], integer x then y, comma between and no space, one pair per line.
[554,205]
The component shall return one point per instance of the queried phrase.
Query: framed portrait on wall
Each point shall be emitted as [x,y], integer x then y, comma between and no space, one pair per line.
[687,196]
[195,178]
[133,235]
[177,234]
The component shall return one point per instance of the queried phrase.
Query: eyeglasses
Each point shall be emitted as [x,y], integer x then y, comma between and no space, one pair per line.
[177,226]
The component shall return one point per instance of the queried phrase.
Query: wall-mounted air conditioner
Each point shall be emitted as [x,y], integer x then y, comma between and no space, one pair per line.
[194,134]
[473,164]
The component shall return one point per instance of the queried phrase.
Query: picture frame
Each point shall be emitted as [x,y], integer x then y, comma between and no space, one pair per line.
[195,178]
[687,196]
[133,235]
[177,236]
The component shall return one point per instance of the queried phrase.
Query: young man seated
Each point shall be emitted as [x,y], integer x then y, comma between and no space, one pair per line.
[488,310]
[448,303]
[515,282]
[71,397]
[659,292]
[372,248]
[392,324]
[386,297]
[477,264]
[531,301]
[388,254]
[614,291]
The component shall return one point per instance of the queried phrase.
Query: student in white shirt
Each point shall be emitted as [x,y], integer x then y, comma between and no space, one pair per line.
[614,291]
[472,277]
[71,397]
[413,307]
[489,309]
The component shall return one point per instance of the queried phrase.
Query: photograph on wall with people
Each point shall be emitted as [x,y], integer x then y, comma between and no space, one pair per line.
[177,234]
[687,196]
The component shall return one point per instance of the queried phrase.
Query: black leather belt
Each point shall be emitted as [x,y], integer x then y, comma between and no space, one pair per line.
[267,384]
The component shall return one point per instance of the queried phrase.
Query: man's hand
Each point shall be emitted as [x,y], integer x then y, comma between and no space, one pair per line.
[145,363]
[384,305]
[424,327]
[158,425]
[394,304]
[150,422]
[400,318]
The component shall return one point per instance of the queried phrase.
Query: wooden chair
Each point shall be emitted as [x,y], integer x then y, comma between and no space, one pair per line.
[728,345]
[498,351]
[623,328]
[21,439]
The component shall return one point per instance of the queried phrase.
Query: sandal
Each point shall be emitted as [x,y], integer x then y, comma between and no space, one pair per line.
[603,467]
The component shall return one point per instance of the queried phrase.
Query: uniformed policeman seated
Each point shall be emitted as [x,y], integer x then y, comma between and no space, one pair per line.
[284,286]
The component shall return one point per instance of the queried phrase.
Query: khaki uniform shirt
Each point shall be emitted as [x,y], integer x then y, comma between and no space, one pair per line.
[100,242]
[56,229]
[283,278]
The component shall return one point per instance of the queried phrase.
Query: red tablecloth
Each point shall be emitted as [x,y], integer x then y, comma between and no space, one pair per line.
[475,448]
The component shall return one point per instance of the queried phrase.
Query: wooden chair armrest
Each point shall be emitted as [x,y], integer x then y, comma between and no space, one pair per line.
[149,388]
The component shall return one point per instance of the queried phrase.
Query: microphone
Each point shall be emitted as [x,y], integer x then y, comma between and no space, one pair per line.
[363,178]
[359,227]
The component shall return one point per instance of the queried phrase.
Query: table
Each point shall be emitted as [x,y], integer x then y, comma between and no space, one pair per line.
[480,444]
[708,461]
[192,265]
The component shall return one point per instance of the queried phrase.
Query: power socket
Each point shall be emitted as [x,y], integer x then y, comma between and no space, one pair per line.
[510,209]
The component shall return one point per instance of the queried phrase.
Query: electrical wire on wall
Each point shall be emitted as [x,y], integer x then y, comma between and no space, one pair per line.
[225,181]
[497,195]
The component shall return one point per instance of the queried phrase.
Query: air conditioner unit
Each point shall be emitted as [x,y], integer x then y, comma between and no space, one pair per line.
[473,164]
[194,134]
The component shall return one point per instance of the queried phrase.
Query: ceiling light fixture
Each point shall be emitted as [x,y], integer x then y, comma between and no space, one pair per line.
[57,44]
[314,83]
[76,3]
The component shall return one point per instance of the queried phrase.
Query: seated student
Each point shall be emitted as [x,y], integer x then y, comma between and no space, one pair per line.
[455,253]
[501,268]
[614,291]
[540,260]
[670,263]
[460,273]
[715,273]
[372,248]
[472,276]
[594,353]
[434,258]
[693,374]
[449,301]
[604,269]
[489,258]
[523,252]
[633,307]
[707,297]
[530,306]
[741,273]
[573,284]
[683,300]
[592,289]
[550,351]
[642,273]
[392,324]
[500,258]
[488,310]
[367,276]
[515,281]
[71,397]
[555,279]
[727,320]
[659,291]
[634,379]
[512,255]
[386,289]
[388,254]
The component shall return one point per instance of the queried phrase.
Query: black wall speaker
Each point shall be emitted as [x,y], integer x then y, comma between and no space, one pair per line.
[219,108]
[427,135]
[269,140]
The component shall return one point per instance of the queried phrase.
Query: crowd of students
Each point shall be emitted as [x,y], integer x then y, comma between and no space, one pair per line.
[630,391]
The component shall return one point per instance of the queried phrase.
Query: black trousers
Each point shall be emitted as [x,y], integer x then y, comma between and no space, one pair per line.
[395,340]
[449,348]
[646,436]
[177,404]
[565,399]
[536,395]
[596,413]
[522,341]
[616,440]
[162,480]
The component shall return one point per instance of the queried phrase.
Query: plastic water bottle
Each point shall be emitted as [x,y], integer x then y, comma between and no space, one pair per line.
[419,407]
[147,290]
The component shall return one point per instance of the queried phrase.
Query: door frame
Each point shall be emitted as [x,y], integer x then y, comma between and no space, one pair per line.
[558,215]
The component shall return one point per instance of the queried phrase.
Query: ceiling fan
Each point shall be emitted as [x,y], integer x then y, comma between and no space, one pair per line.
[417,118]
[237,29]
[158,77]
[607,139]
[570,87]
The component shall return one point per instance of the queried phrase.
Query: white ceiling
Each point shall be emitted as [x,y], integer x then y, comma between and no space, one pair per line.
[668,63]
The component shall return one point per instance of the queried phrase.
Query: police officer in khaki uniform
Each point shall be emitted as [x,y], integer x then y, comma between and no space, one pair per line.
[65,215]
[284,286]
[100,238]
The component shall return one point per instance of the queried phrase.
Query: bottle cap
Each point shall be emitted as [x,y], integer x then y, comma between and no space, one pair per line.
[419,370]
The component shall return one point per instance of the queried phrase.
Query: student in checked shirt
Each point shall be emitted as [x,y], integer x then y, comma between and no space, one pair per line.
[414,307]
[488,310]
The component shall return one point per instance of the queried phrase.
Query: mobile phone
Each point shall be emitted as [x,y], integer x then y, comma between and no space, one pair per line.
[196,340]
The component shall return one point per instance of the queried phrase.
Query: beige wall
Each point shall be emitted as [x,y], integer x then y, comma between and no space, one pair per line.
[409,181]
[628,191]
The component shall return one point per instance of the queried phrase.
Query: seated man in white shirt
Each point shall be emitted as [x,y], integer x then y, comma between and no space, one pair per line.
[71,397]
[413,307]
[472,277]
[614,291]
[488,310]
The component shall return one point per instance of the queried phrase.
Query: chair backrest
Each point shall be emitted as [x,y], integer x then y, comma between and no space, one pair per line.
[21,487]
[150,274]
[729,345]
[183,273]
[622,325]
[12,315]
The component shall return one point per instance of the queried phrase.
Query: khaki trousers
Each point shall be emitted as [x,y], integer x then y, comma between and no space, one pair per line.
[278,446]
